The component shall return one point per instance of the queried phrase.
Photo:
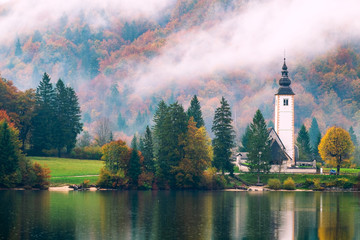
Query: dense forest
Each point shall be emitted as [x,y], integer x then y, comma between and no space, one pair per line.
[111,67]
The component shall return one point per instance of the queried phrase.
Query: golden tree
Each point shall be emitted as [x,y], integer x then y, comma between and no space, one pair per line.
[336,147]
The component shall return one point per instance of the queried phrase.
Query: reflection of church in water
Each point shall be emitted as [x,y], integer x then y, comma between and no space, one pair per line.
[283,149]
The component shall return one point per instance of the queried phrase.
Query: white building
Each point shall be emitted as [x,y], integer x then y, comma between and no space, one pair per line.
[284,114]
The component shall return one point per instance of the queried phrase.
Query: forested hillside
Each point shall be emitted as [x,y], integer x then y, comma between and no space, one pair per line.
[122,68]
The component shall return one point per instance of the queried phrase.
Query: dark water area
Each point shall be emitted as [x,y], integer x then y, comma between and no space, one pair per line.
[179,215]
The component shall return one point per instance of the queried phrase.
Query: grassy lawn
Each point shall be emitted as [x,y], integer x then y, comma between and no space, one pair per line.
[298,178]
[66,171]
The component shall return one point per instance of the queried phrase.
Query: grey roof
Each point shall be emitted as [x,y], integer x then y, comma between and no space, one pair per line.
[285,82]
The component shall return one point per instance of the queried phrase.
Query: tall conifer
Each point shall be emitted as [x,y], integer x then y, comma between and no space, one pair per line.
[303,143]
[224,137]
[195,112]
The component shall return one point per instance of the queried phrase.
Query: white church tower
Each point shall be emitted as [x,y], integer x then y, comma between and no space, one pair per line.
[284,114]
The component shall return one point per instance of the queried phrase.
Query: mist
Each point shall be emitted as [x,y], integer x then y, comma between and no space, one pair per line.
[253,40]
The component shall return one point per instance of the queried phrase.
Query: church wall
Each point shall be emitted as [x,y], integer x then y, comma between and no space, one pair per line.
[284,122]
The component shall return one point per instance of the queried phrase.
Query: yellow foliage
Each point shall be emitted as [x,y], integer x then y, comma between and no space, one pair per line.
[336,146]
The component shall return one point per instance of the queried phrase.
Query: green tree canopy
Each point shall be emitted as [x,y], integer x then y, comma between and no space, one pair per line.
[259,152]
[314,132]
[134,163]
[353,136]
[303,143]
[223,141]
[245,140]
[195,112]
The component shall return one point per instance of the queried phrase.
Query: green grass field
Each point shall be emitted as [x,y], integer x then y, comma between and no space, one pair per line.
[65,171]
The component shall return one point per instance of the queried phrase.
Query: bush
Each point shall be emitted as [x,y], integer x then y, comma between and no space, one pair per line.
[289,184]
[340,183]
[274,183]
[85,184]
[308,183]
[88,152]
[211,180]
[111,180]
[42,176]
[317,185]
[145,180]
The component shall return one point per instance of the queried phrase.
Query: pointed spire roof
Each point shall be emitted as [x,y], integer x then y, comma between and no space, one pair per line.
[285,82]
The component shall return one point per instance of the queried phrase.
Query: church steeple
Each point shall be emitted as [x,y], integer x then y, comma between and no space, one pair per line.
[285,82]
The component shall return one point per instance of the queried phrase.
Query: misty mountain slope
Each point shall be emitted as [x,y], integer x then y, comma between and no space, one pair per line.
[122,60]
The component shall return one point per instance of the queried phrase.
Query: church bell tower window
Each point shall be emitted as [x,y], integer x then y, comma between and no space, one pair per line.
[286,102]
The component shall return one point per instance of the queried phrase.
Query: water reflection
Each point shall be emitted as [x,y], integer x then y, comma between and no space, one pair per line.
[178,215]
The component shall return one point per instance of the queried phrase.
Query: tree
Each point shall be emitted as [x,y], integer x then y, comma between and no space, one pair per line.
[148,151]
[73,114]
[121,122]
[18,50]
[84,140]
[303,143]
[336,147]
[170,126]
[224,137]
[195,112]
[134,163]
[116,155]
[197,158]
[44,117]
[9,149]
[353,136]
[259,151]
[314,132]
[103,132]
[245,140]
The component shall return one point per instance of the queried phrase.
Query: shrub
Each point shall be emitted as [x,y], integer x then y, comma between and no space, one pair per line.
[88,152]
[211,180]
[274,183]
[42,176]
[85,184]
[340,183]
[289,184]
[111,180]
[308,183]
[145,180]
[317,185]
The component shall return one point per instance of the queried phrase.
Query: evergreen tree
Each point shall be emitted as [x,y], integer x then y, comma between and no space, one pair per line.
[9,150]
[314,133]
[121,122]
[18,50]
[170,126]
[134,163]
[73,114]
[44,117]
[303,143]
[259,151]
[315,151]
[353,136]
[195,112]
[245,140]
[148,151]
[61,130]
[224,137]
[271,124]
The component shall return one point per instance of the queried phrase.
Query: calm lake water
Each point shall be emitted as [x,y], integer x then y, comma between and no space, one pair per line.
[179,215]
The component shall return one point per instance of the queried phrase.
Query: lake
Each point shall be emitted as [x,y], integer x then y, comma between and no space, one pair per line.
[179,215]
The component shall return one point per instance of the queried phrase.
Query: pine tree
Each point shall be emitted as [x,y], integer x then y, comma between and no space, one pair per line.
[44,117]
[245,140]
[73,114]
[61,130]
[134,163]
[303,143]
[314,133]
[195,112]
[148,151]
[18,50]
[9,150]
[259,151]
[224,137]
[353,136]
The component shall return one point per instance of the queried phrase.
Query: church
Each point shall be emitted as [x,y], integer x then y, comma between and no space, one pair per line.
[282,137]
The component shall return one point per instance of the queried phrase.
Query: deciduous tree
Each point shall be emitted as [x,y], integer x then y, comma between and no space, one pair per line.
[336,147]
[116,155]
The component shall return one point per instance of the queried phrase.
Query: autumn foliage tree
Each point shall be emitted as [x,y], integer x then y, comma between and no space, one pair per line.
[197,158]
[336,147]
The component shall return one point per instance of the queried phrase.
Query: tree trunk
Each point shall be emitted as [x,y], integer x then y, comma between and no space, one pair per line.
[338,166]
